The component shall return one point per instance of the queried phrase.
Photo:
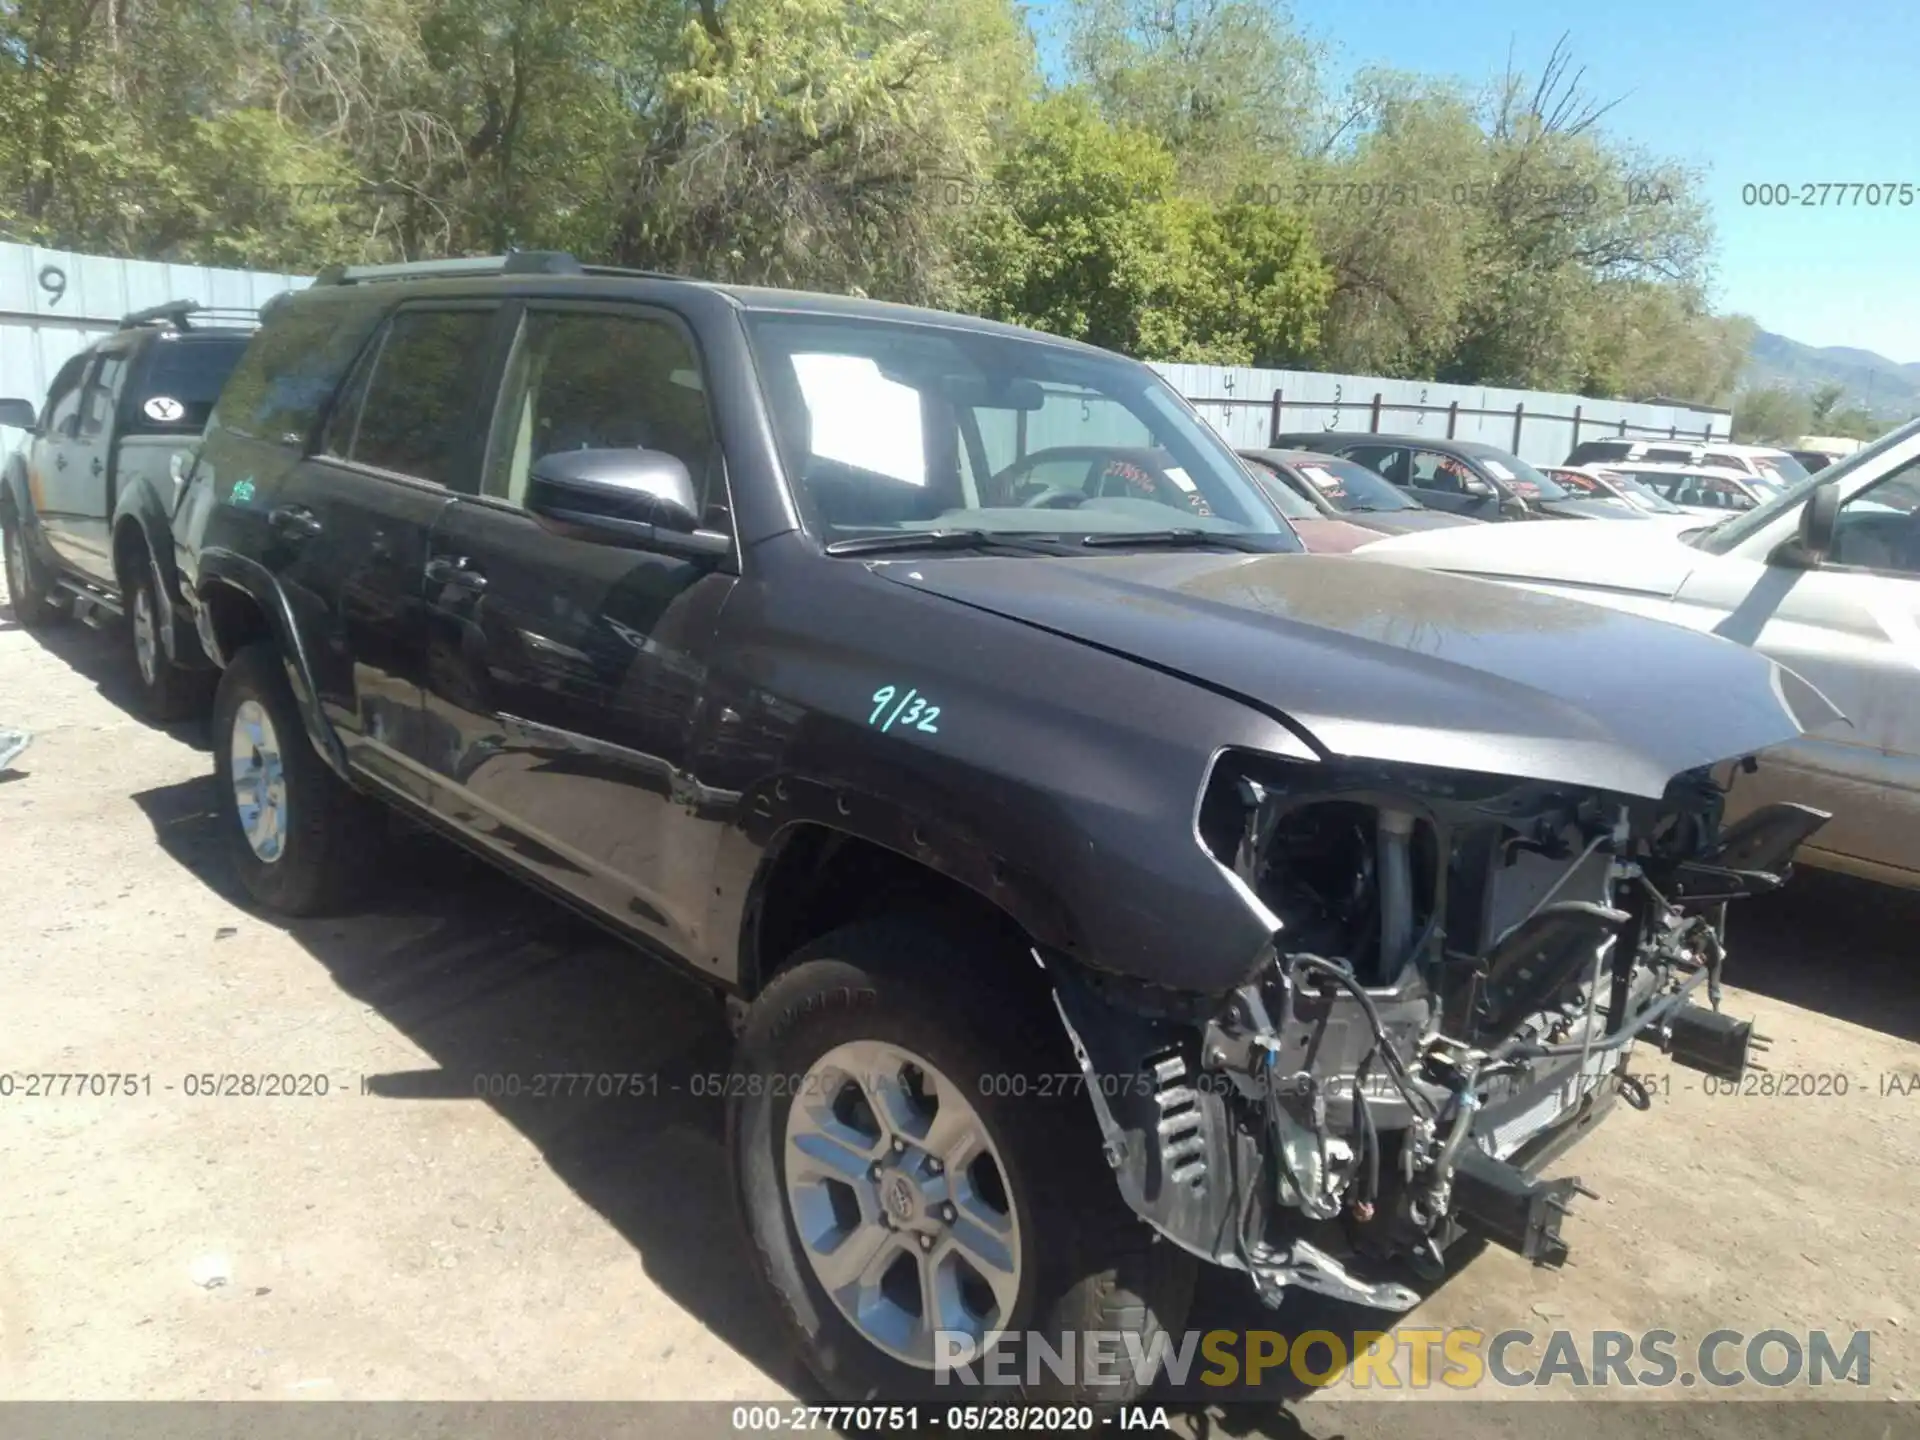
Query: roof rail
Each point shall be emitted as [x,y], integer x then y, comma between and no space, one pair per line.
[514,262]
[186,315]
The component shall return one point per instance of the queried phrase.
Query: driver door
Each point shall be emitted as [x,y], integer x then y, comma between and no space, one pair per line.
[1852,628]
[54,463]
[566,676]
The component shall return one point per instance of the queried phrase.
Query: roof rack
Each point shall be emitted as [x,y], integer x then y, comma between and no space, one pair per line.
[514,262]
[184,315]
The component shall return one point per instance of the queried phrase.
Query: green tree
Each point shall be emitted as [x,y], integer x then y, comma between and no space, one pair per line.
[1229,86]
[1082,233]
[1770,416]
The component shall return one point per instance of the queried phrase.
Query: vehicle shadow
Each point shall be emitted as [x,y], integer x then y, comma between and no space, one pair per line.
[492,980]
[105,659]
[1831,943]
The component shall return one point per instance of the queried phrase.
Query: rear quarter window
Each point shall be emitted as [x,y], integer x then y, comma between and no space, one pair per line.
[290,368]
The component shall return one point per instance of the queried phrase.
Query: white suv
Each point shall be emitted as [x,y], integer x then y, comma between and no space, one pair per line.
[1824,578]
[1764,461]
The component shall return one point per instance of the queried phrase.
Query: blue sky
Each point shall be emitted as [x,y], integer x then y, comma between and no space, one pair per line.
[1764,91]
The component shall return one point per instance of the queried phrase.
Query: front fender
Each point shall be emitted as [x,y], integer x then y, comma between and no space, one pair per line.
[13,488]
[257,585]
[778,810]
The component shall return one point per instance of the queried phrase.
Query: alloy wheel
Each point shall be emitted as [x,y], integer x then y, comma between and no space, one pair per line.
[146,635]
[259,781]
[901,1202]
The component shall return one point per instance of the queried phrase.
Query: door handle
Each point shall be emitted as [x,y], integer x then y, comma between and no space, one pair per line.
[452,570]
[294,521]
[97,467]
[60,461]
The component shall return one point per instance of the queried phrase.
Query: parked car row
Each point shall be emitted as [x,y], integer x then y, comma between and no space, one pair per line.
[766,630]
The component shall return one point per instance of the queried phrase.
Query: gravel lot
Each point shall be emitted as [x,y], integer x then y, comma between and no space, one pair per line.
[401,1238]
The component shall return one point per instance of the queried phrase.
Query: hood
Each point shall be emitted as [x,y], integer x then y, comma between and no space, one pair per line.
[1579,508]
[1644,559]
[1325,535]
[1386,663]
[1407,522]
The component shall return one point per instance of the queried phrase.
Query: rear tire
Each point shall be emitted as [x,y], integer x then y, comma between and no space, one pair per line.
[29,586]
[167,691]
[302,842]
[1083,1261]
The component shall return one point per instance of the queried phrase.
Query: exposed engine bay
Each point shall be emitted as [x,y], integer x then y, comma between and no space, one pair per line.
[1459,967]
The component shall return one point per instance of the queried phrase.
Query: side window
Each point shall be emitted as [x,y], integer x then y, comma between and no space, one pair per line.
[63,398]
[343,416]
[97,400]
[1381,459]
[292,365]
[1879,529]
[417,414]
[598,381]
[1433,471]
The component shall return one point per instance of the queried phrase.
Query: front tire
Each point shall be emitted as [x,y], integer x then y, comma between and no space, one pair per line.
[300,839]
[29,587]
[898,1137]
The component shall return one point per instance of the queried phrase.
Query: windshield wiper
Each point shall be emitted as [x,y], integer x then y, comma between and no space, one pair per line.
[1229,539]
[903,541]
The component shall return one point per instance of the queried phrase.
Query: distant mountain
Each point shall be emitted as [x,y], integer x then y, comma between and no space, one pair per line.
[1885,387]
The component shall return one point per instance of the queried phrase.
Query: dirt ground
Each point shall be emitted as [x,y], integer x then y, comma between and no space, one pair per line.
[401,1238]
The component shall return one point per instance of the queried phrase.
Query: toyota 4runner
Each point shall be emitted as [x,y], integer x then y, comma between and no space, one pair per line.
[1100,885]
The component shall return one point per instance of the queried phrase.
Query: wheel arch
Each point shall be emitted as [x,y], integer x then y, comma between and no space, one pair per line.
[237,602]
[864,858]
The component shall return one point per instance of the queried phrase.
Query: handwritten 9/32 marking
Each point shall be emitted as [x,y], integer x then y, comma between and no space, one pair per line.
[913,711]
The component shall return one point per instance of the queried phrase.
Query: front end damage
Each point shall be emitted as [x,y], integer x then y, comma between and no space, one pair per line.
[1459,967]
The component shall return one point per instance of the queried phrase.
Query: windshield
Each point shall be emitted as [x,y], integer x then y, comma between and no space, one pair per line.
[1351,486]
[1520,477]
[1591,487]
[1645,496]
[901,426]
[1729,533]
[1696,489]
[1288,501]
[1781,468]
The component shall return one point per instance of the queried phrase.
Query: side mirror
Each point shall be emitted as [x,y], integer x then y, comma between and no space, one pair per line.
[1819,522]
[639,498]
[1474,485]
[17,413]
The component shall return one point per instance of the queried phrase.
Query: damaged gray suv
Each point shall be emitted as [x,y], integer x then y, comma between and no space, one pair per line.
[1100,885]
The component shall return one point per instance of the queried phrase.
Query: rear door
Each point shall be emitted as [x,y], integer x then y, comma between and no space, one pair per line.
[86,535]
[566,676]
[349,526]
